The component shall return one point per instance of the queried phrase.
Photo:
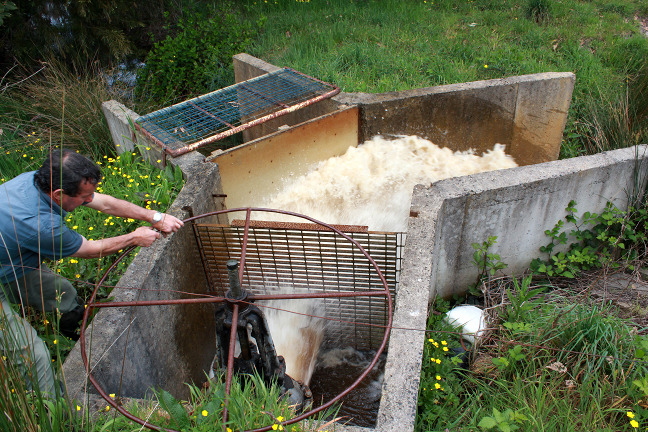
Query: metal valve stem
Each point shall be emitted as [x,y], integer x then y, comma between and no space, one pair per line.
[234,281]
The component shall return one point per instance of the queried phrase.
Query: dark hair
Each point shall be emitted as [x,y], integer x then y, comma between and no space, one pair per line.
[66,169]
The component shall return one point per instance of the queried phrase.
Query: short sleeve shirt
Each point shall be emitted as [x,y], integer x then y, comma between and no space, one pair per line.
[32,228]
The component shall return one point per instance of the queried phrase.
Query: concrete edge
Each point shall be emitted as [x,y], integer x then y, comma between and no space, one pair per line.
[371,98]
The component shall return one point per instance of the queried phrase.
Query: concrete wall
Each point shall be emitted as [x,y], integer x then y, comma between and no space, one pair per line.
[526,113]
[517,205]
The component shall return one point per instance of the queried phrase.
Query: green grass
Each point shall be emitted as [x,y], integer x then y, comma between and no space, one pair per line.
[380,46]
[568,367]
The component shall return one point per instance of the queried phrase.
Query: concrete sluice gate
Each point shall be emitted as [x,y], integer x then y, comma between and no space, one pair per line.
[134,349]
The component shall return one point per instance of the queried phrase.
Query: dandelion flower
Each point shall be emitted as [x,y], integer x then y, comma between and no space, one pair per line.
[205,413]
[438,377]
[634,424]
[630,414]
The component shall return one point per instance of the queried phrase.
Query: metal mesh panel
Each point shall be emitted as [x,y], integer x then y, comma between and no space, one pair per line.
[311,261]
[213,116]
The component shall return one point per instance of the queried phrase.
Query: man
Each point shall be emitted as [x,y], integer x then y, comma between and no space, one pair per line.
[33,207]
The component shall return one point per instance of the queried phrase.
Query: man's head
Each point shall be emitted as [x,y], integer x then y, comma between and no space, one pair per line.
[68,178]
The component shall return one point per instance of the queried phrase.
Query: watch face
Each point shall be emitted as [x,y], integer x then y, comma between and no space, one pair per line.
[157,217]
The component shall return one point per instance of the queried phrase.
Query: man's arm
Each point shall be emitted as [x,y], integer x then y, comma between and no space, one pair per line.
[142,236]
[116,207]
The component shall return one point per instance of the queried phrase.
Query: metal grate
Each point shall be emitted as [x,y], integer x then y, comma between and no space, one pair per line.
[193,123]
[309,261]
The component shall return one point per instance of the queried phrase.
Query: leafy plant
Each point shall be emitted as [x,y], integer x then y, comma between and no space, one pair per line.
[488,263]
[513,356]
[642,384]
[506,421]
[642,346]
[441,373]
[197,58]
[5,10]
[252,404]
[597,240]
[522,299]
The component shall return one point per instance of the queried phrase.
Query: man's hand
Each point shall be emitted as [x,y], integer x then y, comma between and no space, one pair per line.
[142,236]
[168,224]
[145,236]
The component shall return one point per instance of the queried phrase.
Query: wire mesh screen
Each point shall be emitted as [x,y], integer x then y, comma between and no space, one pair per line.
[296,260]
[224,112]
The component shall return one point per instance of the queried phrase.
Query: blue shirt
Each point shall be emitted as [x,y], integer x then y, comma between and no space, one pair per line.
[32,227]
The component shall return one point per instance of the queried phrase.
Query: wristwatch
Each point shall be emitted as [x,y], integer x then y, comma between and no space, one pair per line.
[157,217]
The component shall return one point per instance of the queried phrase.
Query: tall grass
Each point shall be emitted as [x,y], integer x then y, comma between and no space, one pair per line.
[58,107]
[619,119]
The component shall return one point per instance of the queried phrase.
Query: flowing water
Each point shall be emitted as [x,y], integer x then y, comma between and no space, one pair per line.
[296,333]
[372,184]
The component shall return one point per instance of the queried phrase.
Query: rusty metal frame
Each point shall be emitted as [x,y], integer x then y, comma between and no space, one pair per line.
[385,292]
[166,150]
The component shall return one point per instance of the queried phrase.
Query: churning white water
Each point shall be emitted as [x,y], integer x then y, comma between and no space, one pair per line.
[296,333]
[372,184]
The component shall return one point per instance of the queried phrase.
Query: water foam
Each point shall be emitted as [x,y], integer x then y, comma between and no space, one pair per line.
[296,333]
[372,184]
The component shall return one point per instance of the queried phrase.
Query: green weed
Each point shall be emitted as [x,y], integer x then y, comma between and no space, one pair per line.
[595,240]
[488,263]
